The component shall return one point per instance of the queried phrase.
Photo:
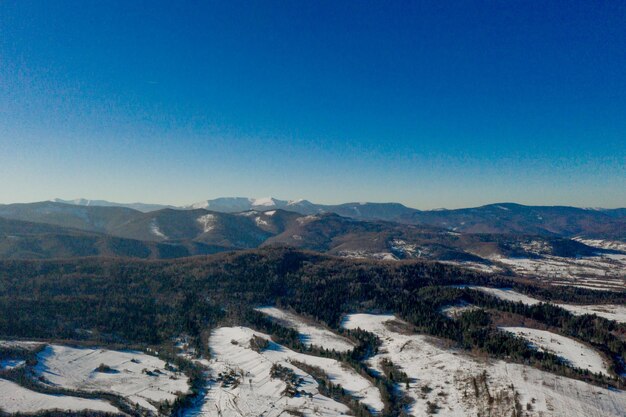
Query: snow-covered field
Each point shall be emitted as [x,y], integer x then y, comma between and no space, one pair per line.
[311,333]
[260,222]
[207,221]
[140,378]
[21,344]
[608,311]
[461,385]
[504,294]
[602,272]
[155,230]
[251,391]
[603,244]
[575,353]
[457,309]
[15,398]
[476,266]
[363,254]
[408,250]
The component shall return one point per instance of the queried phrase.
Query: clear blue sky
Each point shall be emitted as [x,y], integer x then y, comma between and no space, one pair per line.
[432,104]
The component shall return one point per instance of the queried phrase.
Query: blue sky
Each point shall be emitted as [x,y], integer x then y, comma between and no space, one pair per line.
[432,104]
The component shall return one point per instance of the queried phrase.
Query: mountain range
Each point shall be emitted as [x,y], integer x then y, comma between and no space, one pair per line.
[52,229]
[492,218]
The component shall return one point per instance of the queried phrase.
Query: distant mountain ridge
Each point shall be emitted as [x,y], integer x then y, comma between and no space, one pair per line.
[145,207]
[237,204]
[52,230]
[491,218]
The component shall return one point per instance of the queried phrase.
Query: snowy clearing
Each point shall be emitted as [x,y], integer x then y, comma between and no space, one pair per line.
[16,398]
[263,201]
[504,294]
[140,378]
[596,272]
[461,385]
[21,344]
[476,266]
[603,244]
[155,230]
[362,254]
[207,222]
[260,222]
[406,249]
[307,219]
[575,353]
[311,333]
[245,387]
[608,311]
[458,309]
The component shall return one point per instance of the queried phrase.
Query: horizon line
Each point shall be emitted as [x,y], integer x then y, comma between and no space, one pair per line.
[189,206]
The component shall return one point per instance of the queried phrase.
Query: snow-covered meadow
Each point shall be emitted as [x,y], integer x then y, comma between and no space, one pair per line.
[576,354]
[140,378]
[15,398]
[608,311]
[603,244]
[453,383]
[244,385]
[602,272]
[456,310]
[310,333]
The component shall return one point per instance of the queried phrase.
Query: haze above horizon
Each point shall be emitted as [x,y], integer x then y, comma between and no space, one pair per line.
[426,104]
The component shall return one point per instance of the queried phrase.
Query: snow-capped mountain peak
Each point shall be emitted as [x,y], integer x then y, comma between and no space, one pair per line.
[265,202]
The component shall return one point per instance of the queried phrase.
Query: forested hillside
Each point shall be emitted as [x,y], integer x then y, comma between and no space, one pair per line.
[152,302]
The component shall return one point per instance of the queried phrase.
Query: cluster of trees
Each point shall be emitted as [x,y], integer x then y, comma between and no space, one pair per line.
[393,372]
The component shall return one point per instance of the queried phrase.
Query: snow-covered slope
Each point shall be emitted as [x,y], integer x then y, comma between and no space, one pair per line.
[237,204]
[601,272]
[245,387]
[575,353]
[608,311]
[452,383]
[453,311]
[505,294]
[224,204]
[311,333]
[603,244]
[15,398]
[140,378]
